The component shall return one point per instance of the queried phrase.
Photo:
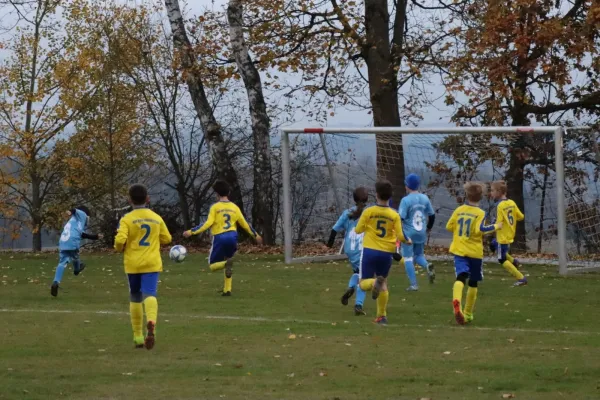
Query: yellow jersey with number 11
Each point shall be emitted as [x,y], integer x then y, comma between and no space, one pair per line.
[382,228]
[468,227]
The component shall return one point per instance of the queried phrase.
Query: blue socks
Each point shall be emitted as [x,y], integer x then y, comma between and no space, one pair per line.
[420,260]
[60,270]
[360,294]
[409,267]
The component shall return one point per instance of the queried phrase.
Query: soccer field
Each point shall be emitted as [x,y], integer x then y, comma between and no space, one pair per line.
[284,335]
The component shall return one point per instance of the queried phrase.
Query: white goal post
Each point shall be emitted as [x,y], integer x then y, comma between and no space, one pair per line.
[321,167]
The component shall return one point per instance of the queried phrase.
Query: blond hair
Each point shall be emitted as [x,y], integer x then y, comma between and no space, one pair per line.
[474,191]
[500,186]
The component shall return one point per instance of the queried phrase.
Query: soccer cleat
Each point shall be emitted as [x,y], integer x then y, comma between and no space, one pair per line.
[149,341]
[431,273]
[381,321]
[377,287]
[54,289]
[412,288]
[521,282]
[229,268]
[458,314]
[347,296]
[397,256]
[138,342]
[226,294]
[358,310]
[80,270]
[468,317]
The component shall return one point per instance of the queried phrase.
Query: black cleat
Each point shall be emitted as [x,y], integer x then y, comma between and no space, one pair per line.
[397,256]
[80,270]
[229,268]
[347,296]
[358,310]
[54,289]
[226,294]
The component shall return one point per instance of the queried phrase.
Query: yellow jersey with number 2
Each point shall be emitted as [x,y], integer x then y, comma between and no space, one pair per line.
[382,228]
[509,214]
[140,235]
[468,227]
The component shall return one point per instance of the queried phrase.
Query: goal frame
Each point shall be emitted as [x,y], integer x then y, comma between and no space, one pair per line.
[558,132]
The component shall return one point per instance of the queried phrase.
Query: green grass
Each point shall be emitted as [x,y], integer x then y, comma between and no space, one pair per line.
[536,342]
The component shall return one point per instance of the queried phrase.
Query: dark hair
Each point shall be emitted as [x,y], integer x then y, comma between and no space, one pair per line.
[138,194]
[361,197]
[384,190]
[84,209]
[474,191]
[222,188]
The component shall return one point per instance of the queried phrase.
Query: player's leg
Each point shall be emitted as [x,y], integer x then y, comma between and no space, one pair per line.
[63,261]
[513,260]
[409,266]
[359,301]
[419,255]
[229,250]
[78,266]
[383,269]
[367,270]
[461,267]
[149,287]
[136,310]
[508,266]
[475,276]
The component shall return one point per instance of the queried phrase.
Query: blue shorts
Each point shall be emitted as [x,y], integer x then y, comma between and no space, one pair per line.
[375,263]
[223,247]
[471,266]
[412,250]
[503,250]
[143,284]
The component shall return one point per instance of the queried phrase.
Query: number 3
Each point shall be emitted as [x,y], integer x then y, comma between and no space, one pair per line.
[227,221]
[143,242]
[381,228]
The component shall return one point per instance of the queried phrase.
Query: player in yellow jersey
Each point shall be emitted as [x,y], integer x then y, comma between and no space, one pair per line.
[140,235]
[509,214]
[467,225]
[223,220]
[382,228]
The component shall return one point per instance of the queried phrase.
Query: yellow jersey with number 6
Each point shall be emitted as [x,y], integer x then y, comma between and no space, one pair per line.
[509,214]
[224,216]
[140,235]
[382,228]
[468,227]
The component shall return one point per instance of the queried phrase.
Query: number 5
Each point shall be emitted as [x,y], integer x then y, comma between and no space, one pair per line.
[381,228]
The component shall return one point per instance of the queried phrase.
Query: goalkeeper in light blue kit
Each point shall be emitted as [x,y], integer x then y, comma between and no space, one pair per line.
[353,245]
[414,208]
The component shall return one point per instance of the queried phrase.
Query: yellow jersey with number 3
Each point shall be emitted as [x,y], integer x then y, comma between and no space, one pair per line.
[382,228]
[224,216]
[140,235]
[509,214]
[467,225]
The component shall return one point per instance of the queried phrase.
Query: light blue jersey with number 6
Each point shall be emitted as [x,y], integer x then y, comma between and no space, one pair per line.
[353,242]
[415,209]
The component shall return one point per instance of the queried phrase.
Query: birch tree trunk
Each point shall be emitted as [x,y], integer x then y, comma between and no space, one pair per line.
[212,131]
[262,205]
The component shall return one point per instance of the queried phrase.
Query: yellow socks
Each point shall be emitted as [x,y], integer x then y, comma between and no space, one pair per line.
[227,284]
[510,258]
[217,266]
[457,290]
[382,302]
[471,298]
[367,284]
[508,265]
[151,307]
[136,312]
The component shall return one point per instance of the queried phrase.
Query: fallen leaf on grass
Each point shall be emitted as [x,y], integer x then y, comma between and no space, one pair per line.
[277,356]
[322,373]
[127,373]
[508,396]
[334,323]
[292,336]
[218,365]
[348,344]
[511,340]
[447,353]
[101,350]
[291,375]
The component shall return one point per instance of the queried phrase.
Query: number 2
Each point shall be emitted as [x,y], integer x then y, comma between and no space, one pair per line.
[511,220]
[464,223]
[143,242]
[227,221]
[381,228]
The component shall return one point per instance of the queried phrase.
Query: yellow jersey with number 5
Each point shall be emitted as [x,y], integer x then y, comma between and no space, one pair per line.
[467,225]
[224,216]
[382,228]
[140,235]
[509,214]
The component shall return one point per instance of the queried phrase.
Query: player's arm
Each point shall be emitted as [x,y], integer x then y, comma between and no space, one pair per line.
[451,224]
[206,226]
[90,236]
[483,228]
[361,225]
[122,235]
[398,229]
[247,227]
[518,214]
[164,236]
[430,216]
[338,227]
[403,209]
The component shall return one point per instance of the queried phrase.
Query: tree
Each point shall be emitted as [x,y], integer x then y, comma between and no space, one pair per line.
[44,87]
[515,63]
[262,205]
[192,75]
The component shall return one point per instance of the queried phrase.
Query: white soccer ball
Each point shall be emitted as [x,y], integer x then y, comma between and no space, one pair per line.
[178,253]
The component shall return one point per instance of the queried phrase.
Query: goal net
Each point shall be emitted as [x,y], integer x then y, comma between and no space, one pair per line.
[552,174]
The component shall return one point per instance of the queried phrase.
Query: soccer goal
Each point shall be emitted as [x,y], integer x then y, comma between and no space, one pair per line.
[551,173]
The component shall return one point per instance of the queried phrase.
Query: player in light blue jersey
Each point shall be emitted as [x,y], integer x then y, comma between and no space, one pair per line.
[415,209]
[70,242]
[353,245]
